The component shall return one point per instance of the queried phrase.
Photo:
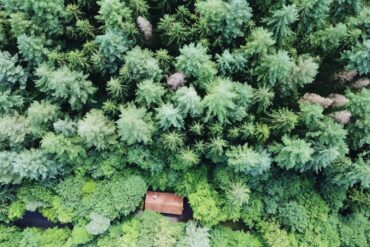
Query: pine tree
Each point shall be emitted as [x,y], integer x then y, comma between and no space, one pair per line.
[112,46]
[10,103]
[65,85]
[220,101]
[116,88]
[224,19]
[260,42]
[283,120]
[66,150]
[134,125]
[312,14]
[195,236]
[188,101]
[113,13]
[238,194]
[34,165]
[293,153]
[173,31]
[359,128]
[359,173]
[149,94]
[140,65]
[231,63]
[168,116]
[196,63]
[14,130]
[276,69]
[263,97]
[41,116]
[97,130]
[280,22]
[32,49]
[11,74]
[246,160]
[359,58]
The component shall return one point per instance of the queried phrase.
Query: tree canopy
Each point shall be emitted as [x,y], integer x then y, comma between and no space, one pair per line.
[257,112]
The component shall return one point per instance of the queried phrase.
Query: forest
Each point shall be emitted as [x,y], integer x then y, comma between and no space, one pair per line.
[257,112]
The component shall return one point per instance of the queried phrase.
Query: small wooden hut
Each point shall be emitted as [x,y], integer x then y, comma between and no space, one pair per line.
[165,203]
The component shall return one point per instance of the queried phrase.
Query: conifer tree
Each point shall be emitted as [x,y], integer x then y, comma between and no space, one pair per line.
[11,74]
[65,85]
[134,125]
[97,130]
[246,160]
[196,63]
[220,101]
[280,22]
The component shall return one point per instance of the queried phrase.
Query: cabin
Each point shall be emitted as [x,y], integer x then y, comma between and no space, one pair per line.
[168,204]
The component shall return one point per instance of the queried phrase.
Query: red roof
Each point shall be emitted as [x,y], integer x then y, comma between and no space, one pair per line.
[162,202]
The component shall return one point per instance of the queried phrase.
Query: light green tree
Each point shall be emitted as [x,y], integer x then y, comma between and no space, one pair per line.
[292,153]
[112,46]
[280,22]
[219,103]
[196,63]
[246,160]
[97,130]
[135,125]
[65,85]
[149,93]
[188,101]
[140,65]
[276,69]
[41,115]
[98,224]
[11,73]
[205,205]
[168,116]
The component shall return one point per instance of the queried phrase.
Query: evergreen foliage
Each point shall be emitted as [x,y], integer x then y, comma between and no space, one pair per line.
[276,69]
[112,47]
[14,130]
[134,125]
[188,101]
[11,74]
[65,85]
[231,63]
[140,65]
[10,103]
[196,236]
[32,49]
[226,19]
[40,115]
[195,62]
[97,130]
[149,93]
[359,58]
[257,113]
[246,160]
[28,164]
[280,22]
[220,101]
[293,153]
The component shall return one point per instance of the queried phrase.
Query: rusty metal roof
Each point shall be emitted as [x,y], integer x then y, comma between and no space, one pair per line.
[162,202]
